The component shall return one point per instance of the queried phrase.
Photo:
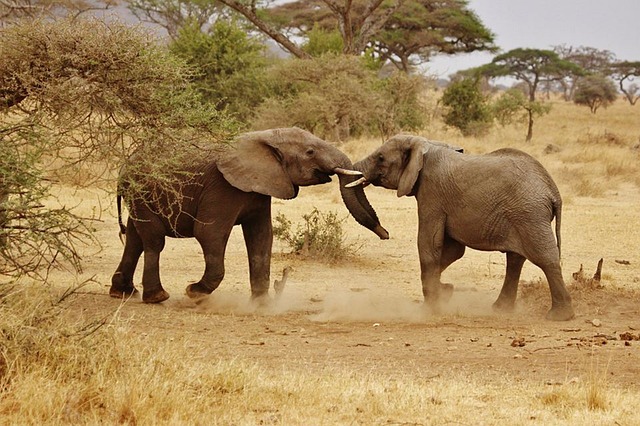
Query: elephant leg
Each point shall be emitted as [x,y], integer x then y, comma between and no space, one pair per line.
[430,247]
[451,251]
[122,280]
[258,237]
[214,245]
[507,298]
[561,307]
[152,291]
[547,257]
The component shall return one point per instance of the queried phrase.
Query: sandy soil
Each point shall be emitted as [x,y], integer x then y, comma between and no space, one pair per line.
[364,315]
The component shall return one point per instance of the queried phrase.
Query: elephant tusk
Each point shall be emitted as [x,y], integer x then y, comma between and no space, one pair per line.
[357,182]
[342,171]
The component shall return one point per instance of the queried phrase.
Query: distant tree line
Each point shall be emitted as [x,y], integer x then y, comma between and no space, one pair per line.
[584,75]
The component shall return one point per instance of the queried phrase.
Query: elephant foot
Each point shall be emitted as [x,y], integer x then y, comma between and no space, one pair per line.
[155,296]
[261,299]
[197,291]
[122,292]
[561,313]
[120,287]
[503,305]
[446,291]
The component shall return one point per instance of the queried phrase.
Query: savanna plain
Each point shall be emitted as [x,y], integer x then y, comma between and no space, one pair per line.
[349,342]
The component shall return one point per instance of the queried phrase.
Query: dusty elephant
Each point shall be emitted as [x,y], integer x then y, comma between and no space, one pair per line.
[233,187]
[503,201]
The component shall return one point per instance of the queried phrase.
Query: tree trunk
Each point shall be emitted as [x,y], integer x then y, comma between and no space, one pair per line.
[530,126]
[4,198]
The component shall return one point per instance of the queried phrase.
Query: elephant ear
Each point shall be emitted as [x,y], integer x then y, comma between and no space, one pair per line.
[253,165]
[409,175]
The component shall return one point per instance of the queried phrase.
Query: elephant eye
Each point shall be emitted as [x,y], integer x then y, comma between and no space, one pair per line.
[380,158]
[310,152]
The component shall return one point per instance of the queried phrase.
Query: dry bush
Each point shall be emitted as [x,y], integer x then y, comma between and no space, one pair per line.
[320,236]
[77,97]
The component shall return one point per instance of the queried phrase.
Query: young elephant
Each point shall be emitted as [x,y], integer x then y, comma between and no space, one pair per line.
[233,187]
[503,201]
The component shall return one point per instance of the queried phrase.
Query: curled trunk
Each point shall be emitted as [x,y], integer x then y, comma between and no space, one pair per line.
[359,207]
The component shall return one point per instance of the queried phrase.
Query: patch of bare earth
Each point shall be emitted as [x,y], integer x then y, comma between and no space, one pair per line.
[364,315]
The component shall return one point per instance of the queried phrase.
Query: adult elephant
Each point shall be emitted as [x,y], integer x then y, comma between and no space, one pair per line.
[503,201]
[232,187]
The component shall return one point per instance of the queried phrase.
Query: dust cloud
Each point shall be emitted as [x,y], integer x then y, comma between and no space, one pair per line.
[343,305]
[369,306]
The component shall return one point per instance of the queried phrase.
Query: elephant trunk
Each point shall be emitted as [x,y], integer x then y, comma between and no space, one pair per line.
[359,207]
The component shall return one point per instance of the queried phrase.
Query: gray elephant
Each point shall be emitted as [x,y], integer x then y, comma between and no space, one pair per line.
[503,201]
[233,187]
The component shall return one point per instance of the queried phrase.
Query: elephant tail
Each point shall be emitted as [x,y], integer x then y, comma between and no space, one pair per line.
[557,212]
[123,229]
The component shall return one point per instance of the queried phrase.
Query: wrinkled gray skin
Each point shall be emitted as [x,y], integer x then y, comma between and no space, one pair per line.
[234,188]
[503,201]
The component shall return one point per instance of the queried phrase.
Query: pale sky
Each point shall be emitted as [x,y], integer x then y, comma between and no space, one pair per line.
[612,25]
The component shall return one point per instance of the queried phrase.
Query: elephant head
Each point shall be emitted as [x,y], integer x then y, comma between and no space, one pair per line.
[277,162]
[397,163]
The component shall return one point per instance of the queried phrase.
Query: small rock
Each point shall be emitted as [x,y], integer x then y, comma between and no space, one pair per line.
[518,342]
[596,322]
[627,336]
[518,356]
[551,149]
[376,324]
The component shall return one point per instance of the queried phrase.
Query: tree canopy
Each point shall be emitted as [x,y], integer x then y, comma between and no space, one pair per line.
[396,30]
[590,59]
[595,91]
[624,73]
[532,67]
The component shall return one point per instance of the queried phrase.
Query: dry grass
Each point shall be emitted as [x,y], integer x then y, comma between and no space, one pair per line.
[53,373]
[61,368]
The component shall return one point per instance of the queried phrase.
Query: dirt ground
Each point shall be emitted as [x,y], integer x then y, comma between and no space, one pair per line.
[364,315]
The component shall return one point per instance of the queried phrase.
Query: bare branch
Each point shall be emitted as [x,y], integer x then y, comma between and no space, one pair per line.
[250,14]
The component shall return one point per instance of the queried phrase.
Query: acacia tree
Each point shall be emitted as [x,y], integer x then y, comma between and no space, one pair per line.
[532,67]
[595,91]
[398,32]
[172,15]
[12,11]
[624,73]
[86,93]
[590,59]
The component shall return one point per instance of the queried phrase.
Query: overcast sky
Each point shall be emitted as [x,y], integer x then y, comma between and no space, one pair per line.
[612,25]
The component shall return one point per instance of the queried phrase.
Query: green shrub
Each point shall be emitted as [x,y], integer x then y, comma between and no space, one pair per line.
[467,107]
[229,66]
[340,96]
[321,41]
[321,235]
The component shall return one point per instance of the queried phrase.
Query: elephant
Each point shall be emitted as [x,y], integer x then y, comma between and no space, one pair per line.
[232,186]
[501,201]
